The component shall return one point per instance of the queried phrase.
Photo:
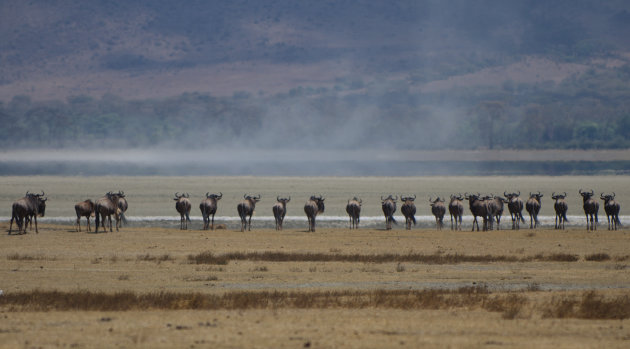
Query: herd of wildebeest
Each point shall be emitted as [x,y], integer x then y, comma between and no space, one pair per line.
[488,208]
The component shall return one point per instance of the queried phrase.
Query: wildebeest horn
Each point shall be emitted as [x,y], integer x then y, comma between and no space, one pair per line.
[382,198]
[43,194]
[580,191]
[613,194]
[601,196]
[592,193]
[186,195]
[245,196]
[504,194]
[289,199]
[565,194]
[258,197]
[177,196]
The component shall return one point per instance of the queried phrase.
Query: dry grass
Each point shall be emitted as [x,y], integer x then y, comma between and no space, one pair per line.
[158,259]
[597,257]
[28,257]
[590,305]
[436,258]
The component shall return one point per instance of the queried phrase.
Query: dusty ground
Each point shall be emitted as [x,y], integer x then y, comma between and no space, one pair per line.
[155,259]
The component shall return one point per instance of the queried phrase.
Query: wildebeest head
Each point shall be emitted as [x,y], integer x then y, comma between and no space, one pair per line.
[184,195]
[408,199]
[357,200]
[472,197]
[283,200]
[319,200]
[559,196]
[389,198]
[607,198]
[251,198]
[535,196]
[437,200]
[586,195]
[39,200]
[214,196]
[457,197]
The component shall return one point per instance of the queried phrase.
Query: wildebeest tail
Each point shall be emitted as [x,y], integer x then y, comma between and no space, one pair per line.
[123,218]
[187,217]
[564,216]
[522,219]
[413,219]
[392,219]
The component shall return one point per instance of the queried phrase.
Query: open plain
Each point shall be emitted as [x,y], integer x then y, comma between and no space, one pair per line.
[162,287]
[153,285]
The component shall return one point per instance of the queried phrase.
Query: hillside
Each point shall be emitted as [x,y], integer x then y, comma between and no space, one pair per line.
[267,66]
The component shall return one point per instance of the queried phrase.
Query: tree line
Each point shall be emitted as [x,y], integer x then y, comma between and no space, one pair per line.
[586,111]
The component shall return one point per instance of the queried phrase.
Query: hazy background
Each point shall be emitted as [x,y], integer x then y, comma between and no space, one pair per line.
[225,85]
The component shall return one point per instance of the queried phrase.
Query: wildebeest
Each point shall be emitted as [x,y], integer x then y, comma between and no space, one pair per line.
[591,207]
[246,209]
[478,208]
[533,207]
[105,207]
[84,209]
[561,207]
[313,207]
[31,205]
[182,205]
[388,205]
[495,209]
[280,210]
[515,206]
[208,207]
[408,209]
[353,208]
[439,210]
[123,206]
[612,208]
[456,209]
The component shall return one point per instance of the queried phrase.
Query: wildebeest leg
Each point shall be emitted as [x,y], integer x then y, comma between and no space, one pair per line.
[11,224]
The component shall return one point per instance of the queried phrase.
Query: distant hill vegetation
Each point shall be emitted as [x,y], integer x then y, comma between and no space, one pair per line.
[336,74]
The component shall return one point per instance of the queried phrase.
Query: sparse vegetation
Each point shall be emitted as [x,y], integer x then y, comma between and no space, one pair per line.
[28,257]
[158,259]
[437,258]
[597,257]
[591,305]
